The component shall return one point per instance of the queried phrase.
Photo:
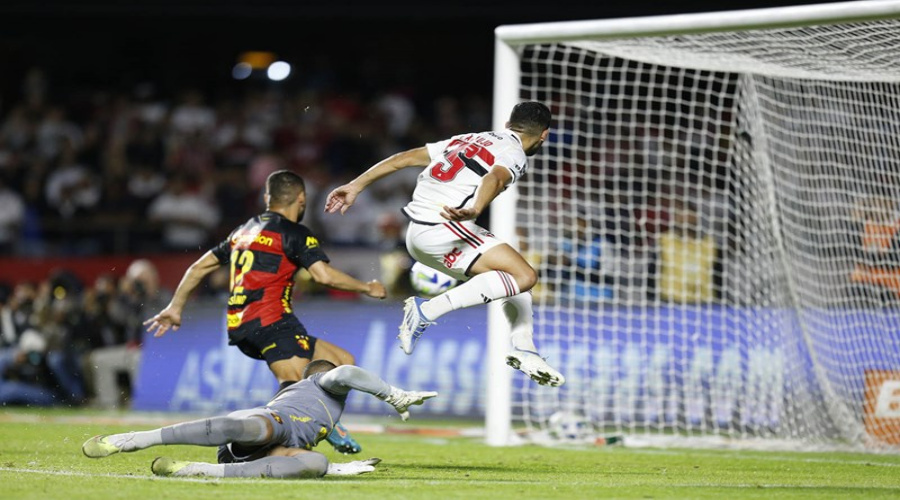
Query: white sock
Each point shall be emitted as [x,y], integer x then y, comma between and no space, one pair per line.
[131,441]
[479,290]
[146,439]
[203,469]
[518,312]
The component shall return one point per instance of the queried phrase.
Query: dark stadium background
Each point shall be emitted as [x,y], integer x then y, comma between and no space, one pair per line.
[196,41]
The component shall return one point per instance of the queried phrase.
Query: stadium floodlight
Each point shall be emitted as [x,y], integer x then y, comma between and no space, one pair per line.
[278,70]
[738,176]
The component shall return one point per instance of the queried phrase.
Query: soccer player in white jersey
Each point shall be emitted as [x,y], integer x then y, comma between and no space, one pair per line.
[462,176]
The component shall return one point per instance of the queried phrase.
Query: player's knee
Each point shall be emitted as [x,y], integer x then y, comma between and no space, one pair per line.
[230,427]
[526,279]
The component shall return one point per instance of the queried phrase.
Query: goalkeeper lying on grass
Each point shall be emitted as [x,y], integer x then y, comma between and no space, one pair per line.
[273,440]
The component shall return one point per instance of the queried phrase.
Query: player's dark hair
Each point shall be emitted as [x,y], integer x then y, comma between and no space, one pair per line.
[531,117]
[318,366]
[283,187]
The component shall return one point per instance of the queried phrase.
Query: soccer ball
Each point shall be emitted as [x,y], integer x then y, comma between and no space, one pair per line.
[428,281]
[569,426]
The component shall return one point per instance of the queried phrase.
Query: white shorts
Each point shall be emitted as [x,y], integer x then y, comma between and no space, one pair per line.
[451,247]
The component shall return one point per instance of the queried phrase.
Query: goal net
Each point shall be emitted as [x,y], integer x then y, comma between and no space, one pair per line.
[716,226]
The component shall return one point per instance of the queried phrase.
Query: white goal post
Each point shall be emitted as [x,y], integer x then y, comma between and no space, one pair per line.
[716,224]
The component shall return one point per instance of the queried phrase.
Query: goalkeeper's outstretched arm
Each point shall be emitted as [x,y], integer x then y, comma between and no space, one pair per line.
[342,379]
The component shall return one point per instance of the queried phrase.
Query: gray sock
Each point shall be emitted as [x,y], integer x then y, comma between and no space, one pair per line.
[216,431]
[302,466]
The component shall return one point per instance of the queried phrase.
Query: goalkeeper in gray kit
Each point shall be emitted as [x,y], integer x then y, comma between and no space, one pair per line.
[275,440]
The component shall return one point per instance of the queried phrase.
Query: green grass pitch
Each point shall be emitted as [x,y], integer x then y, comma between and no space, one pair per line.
[40,458]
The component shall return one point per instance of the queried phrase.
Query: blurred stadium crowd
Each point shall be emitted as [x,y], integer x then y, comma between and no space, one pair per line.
[105,171]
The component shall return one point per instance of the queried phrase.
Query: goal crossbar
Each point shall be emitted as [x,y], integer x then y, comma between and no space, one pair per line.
[677,24]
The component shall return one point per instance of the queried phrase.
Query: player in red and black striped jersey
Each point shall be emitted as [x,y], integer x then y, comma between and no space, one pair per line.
[264,255]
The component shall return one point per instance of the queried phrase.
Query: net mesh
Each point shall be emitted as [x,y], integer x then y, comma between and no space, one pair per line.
[715,223]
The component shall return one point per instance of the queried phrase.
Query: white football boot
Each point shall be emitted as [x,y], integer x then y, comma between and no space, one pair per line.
[531,364]
[413,325]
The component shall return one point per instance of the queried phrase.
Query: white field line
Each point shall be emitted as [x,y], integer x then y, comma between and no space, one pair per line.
[402,482]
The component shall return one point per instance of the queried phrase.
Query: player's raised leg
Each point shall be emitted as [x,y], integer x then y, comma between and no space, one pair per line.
[462,248]
[501,273]
[497,273]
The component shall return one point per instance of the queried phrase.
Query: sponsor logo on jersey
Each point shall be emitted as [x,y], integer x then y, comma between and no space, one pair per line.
[451,257]
[237,300]
[234,319]
[246,239]
[277,418]
[312,242]
[295,418]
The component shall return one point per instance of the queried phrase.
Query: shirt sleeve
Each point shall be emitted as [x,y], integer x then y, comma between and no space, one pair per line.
[303,249]
[514,161]
[222,251]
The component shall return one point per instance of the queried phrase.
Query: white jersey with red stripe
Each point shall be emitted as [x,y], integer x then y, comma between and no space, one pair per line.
[456,168]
